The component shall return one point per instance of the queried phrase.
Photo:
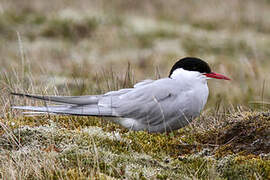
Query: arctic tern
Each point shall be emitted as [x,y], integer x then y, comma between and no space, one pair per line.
[159,105]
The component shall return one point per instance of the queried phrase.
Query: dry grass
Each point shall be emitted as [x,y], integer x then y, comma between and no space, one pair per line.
[90,47]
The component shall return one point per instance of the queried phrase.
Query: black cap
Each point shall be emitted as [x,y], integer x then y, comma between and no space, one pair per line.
[191,64]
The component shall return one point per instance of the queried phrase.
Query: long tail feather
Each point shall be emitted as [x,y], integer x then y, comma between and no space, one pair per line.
[77,100]
[87,110]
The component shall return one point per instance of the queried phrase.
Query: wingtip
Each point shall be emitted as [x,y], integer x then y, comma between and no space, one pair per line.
[16,94]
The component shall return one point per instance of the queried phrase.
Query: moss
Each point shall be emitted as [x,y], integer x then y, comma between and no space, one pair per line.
[83,151]
[244,167]
[247,134]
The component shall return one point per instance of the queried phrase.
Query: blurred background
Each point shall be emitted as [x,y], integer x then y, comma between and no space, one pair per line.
[82,47]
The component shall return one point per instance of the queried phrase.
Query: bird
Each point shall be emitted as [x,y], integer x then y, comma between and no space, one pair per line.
[155,106]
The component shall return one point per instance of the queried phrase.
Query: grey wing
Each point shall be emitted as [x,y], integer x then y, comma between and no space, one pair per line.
[153,106]
[144,82]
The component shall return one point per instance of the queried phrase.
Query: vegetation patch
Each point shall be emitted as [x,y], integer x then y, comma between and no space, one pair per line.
[247,134]
[69,29]
[87,147]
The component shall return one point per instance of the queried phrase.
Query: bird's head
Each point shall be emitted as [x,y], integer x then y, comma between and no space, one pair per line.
[190,65]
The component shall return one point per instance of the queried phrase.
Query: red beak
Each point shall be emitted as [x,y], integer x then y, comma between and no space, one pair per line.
[216,76]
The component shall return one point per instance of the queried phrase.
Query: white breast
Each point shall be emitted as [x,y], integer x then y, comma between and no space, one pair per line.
[196,84]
